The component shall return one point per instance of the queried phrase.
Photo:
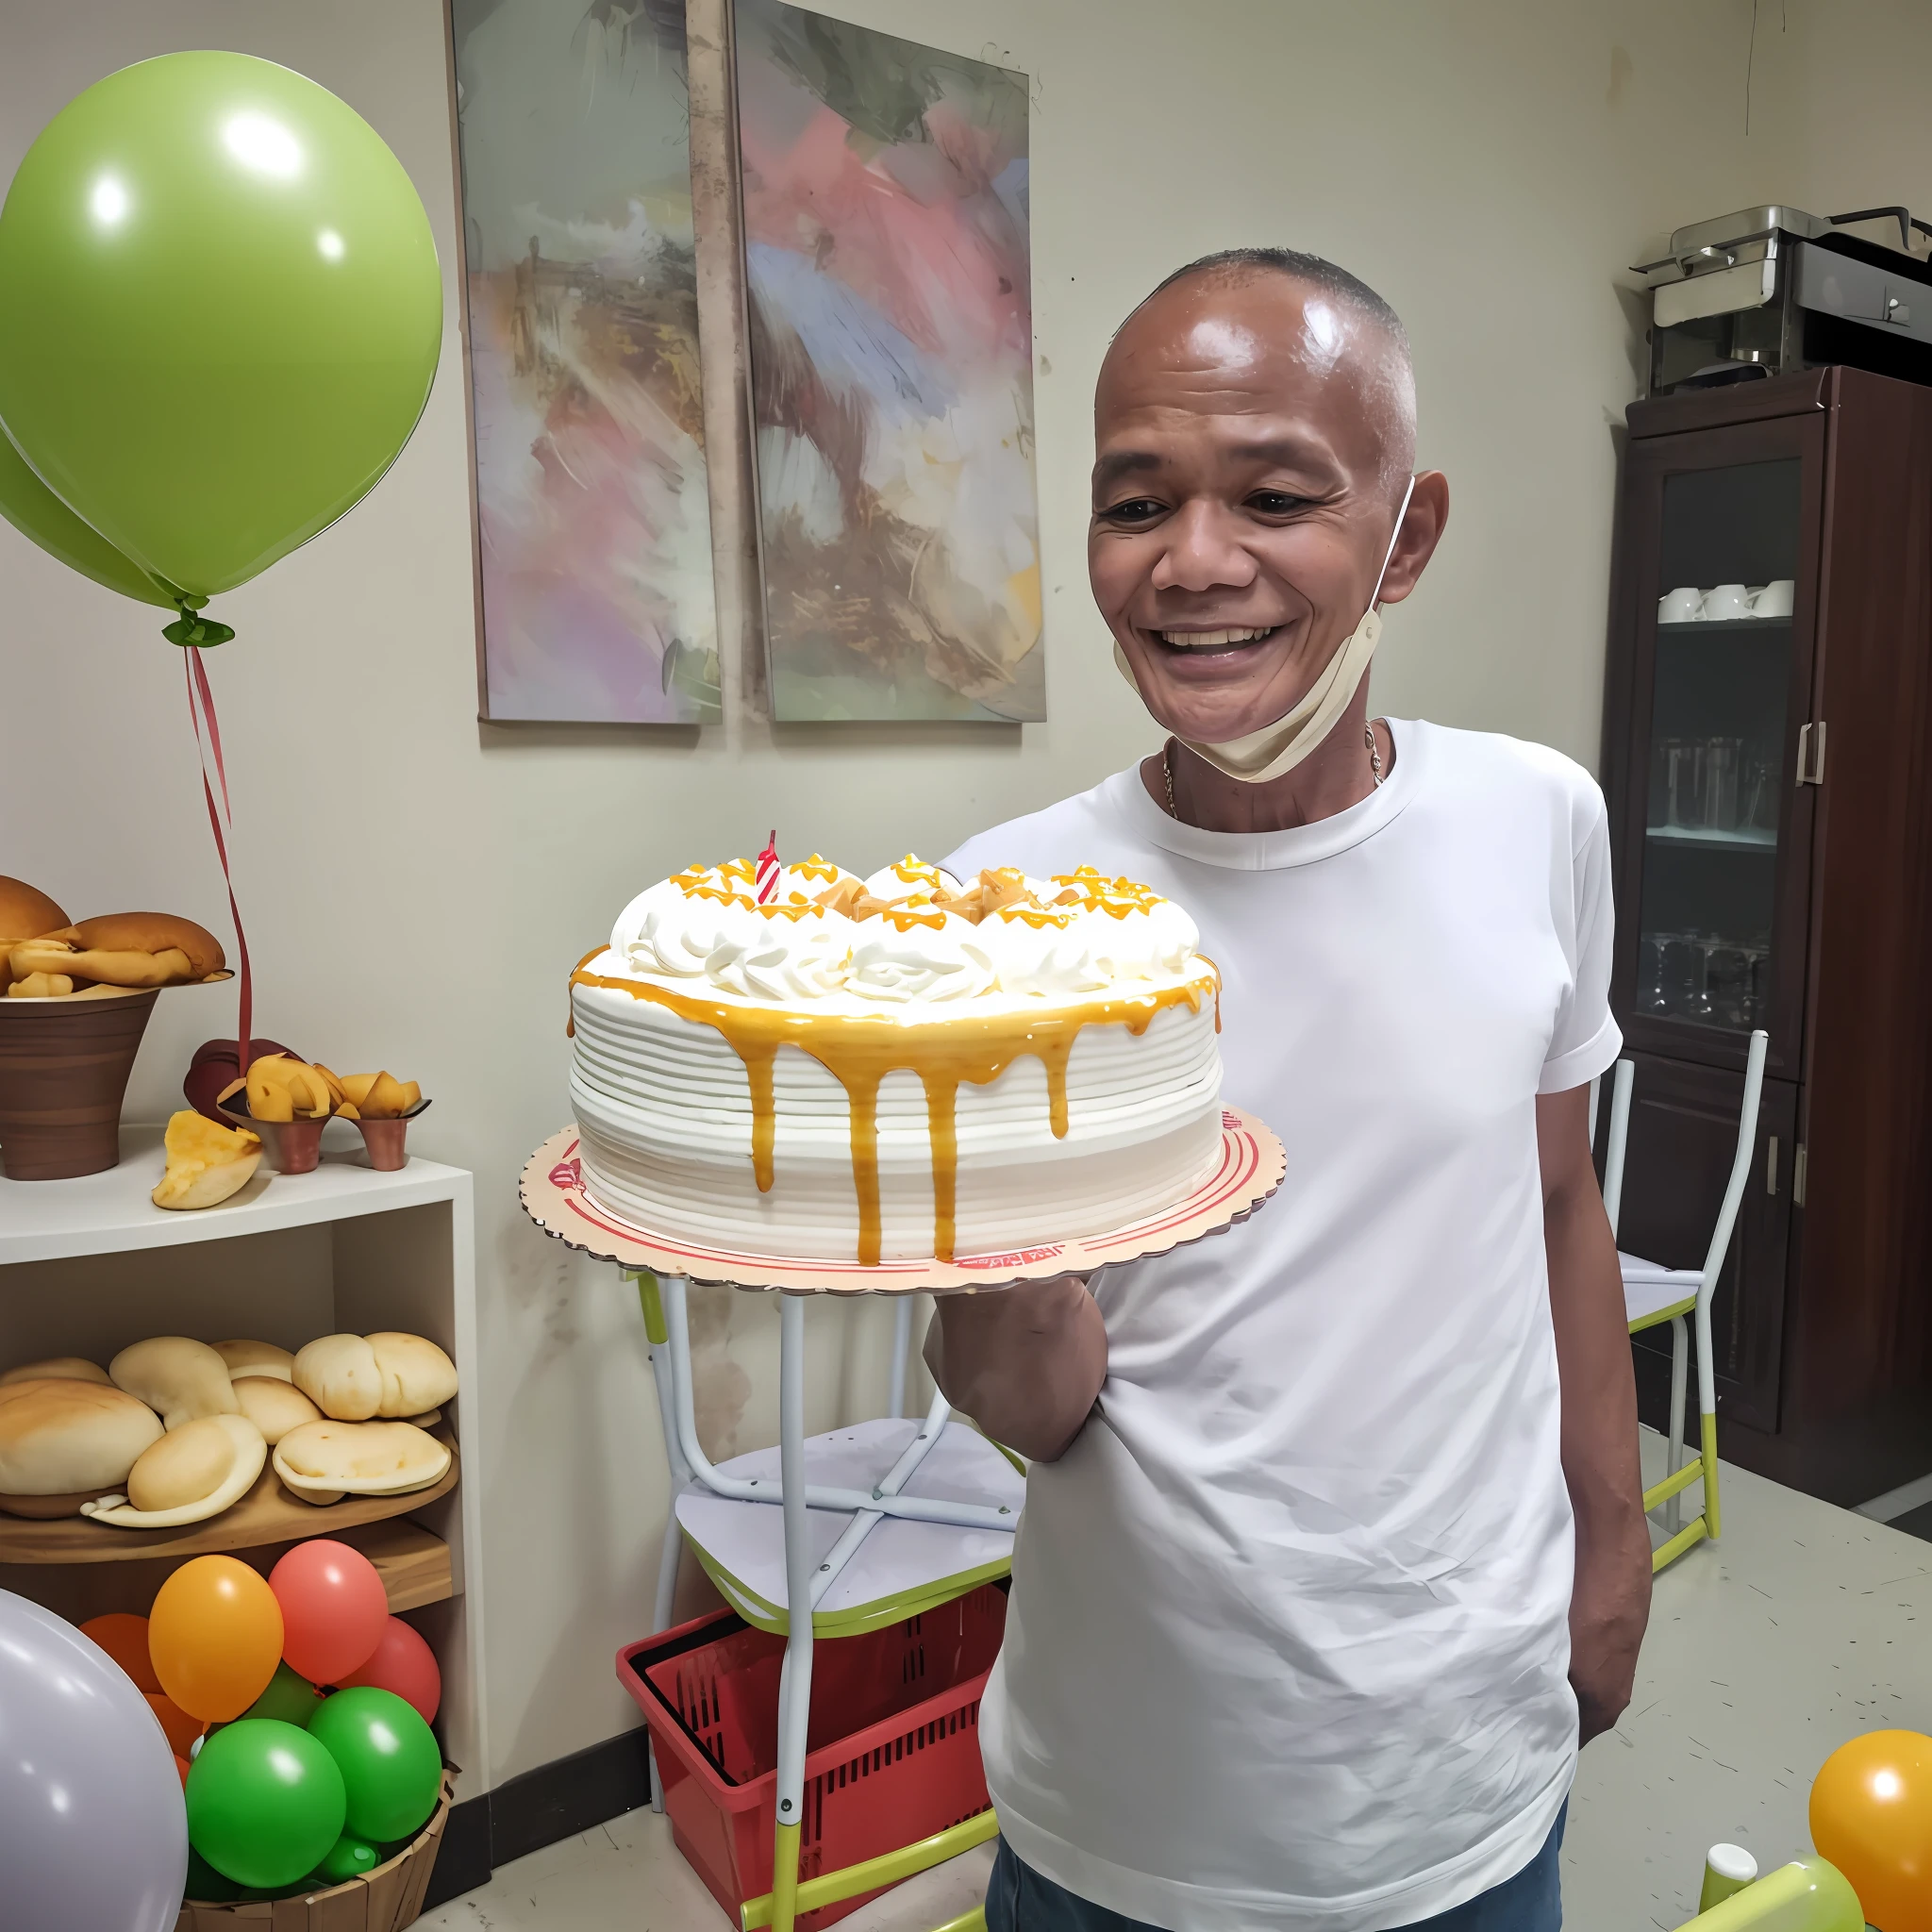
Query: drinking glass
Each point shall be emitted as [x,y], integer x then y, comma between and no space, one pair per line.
[1696,1002]
[1682,969]
[1682,763]
[1722,761]
[1729,984]
[1759,952]
[1653,991]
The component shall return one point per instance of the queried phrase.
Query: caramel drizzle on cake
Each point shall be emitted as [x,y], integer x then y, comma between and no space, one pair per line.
[859,1050]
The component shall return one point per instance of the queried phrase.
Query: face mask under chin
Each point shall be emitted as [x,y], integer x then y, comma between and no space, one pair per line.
[1278,748]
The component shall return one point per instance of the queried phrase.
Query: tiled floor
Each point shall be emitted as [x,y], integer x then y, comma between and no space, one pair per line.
[1800,1629]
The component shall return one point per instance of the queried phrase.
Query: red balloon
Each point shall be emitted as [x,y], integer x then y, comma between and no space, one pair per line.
[181,1729]
[405,1664]
[124,1639]
[334,1609]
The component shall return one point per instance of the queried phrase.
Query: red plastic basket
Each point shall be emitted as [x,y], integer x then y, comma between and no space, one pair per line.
[892,1749]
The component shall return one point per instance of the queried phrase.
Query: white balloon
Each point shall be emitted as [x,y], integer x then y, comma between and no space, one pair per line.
[93,1829]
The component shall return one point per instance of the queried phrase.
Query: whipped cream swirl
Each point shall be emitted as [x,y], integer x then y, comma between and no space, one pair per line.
[920,954]
[910,932]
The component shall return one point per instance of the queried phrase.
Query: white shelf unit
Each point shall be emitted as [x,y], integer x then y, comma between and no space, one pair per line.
[87,1266]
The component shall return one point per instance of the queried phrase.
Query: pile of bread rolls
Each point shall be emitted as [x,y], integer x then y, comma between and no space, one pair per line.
[174,1431]
[45,955]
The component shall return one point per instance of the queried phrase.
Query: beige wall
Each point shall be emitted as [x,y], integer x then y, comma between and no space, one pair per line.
[417,886]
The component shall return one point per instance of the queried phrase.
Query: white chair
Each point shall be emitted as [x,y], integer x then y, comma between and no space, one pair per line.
[1654,1294]
[861,1527]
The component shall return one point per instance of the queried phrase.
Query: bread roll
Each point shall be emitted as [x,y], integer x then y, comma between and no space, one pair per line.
[124,949]
[154,933]
[273,1406]
[191,1474]
[59,1367]
[338,1373]
[416,1374]
[61,1437]
[25,913]
[184,1380]
[257,1358]
[355,1377]
[39,986]
[326,1460]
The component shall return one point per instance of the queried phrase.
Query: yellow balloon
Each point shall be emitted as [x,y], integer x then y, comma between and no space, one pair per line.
[215,1637]
[1872,1816]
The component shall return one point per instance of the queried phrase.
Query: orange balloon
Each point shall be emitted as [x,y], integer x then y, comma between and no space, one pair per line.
[1872,1816]
[181,1768]
[180,1728]
[216,1635]
[124,1639]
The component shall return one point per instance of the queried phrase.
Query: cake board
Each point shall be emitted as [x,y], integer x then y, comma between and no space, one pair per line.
[554,1196]
[803,1566]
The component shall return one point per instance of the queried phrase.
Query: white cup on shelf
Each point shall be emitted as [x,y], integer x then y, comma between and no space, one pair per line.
[1683,606]
[1726,603]
[1775,599]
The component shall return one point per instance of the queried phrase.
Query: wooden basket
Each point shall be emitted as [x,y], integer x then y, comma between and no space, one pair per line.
[384,1900]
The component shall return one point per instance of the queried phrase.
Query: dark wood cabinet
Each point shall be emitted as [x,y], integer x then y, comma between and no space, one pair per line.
[1768,762]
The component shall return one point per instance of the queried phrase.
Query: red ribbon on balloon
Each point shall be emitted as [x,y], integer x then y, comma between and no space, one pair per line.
[201,710]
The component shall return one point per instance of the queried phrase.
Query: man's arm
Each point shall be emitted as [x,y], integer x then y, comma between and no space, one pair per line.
[1611,1603]
[1026,1363]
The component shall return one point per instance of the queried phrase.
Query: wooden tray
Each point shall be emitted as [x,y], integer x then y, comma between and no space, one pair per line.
[1252,1165]
[415,1564]
[267,1514]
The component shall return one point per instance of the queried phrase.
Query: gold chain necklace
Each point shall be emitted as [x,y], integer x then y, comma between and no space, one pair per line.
[1167,766]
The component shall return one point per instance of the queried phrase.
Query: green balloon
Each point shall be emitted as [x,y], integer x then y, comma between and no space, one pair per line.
[289,1697]
[265,1802]
[390,1762]
[349,1857]
[38,514]
[220,312]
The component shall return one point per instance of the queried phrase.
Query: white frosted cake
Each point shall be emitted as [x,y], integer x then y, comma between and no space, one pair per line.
[897,1067]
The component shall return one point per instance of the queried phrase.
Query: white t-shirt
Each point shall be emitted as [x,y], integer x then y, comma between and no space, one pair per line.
[1288,1641]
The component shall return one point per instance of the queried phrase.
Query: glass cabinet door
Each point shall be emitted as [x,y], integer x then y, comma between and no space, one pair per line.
[1717,901]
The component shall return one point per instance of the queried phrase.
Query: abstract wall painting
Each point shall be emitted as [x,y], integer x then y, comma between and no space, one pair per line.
[887,257]
[593,521]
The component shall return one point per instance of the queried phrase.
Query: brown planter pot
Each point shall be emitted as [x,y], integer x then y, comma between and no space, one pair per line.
[385,1900]
[63,1074]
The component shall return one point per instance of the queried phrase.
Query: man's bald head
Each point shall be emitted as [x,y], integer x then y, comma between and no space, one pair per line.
[1253,434]
[1332,322]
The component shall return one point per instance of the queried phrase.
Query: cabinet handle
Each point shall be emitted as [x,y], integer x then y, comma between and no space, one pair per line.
[1771,1166]
[1798,1176]
[1810,761]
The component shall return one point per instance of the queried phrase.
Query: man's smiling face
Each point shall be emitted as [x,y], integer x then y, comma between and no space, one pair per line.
[1253,438]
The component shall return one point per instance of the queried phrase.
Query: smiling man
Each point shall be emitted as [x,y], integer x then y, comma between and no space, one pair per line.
[1334,1546]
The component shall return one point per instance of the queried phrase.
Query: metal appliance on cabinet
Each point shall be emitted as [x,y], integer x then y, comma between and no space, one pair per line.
[1772,290]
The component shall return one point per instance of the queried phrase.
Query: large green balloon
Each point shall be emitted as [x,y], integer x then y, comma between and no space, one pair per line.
[220,312]
[265,1802]
[391,1766]
[36,512]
